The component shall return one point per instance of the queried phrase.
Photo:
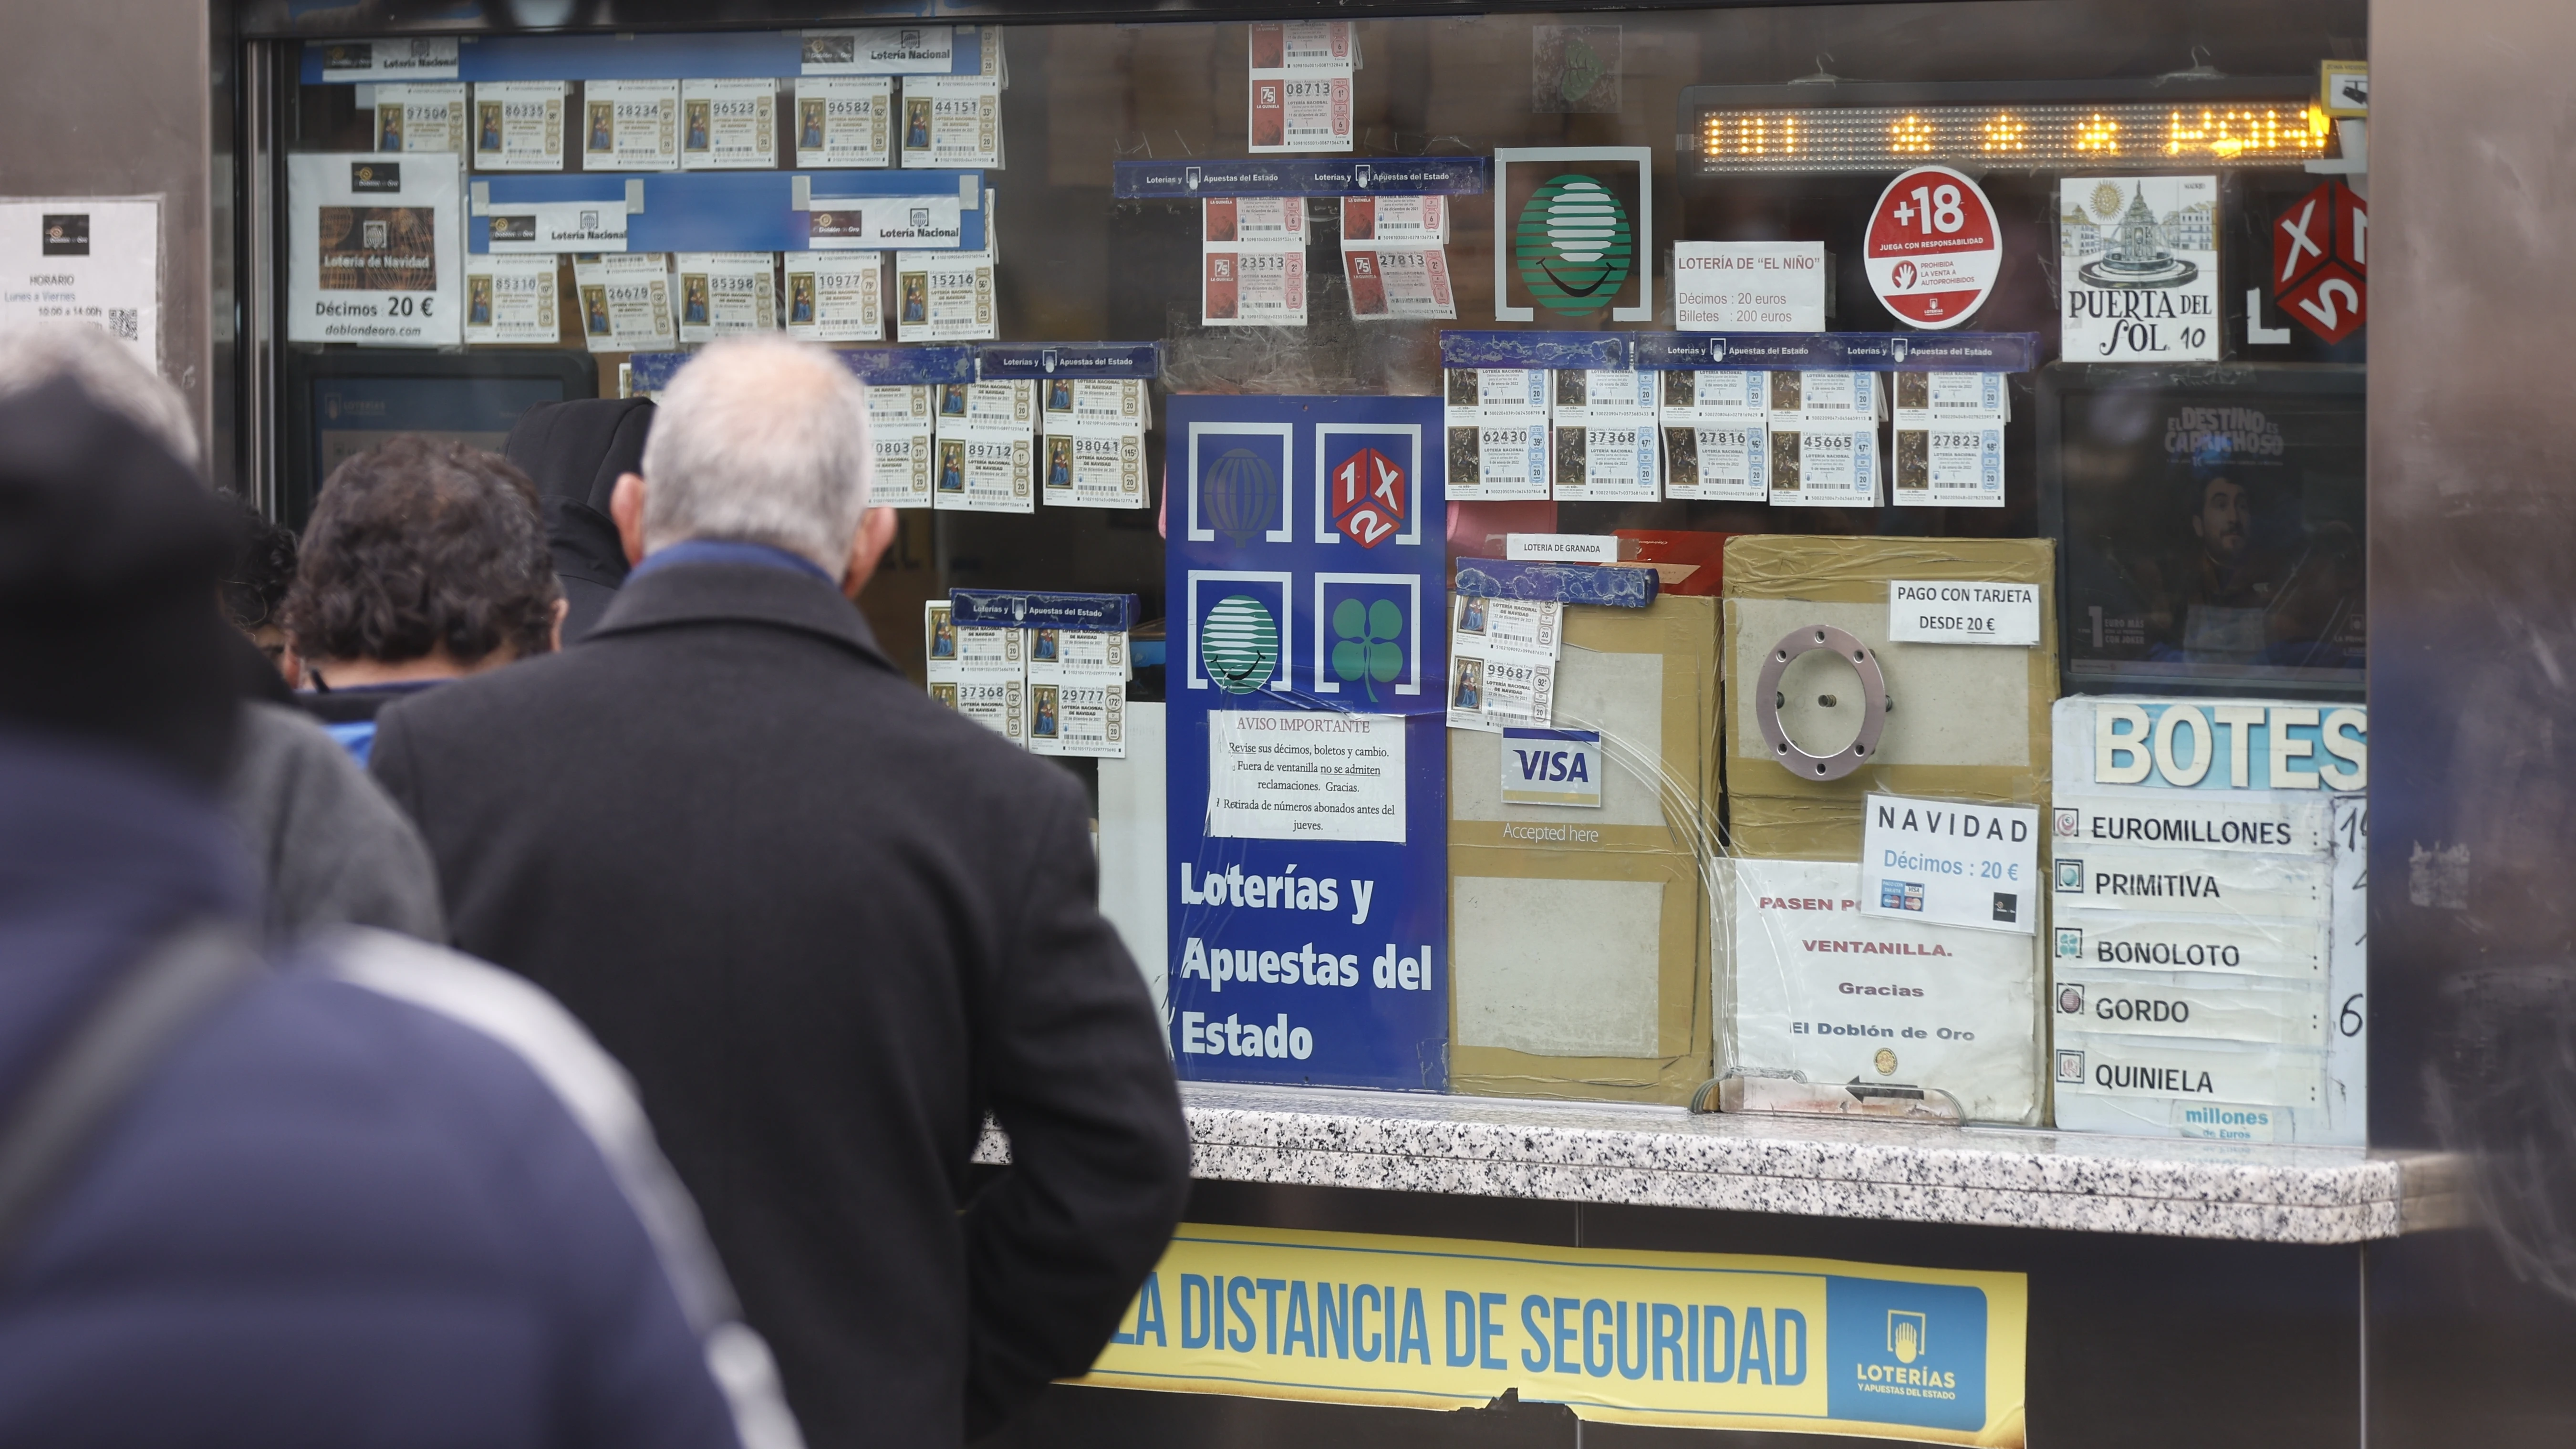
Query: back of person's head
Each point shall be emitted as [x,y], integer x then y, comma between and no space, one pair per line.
[111,551]
[760,440]
[263,569]
[36,353]
[422,546]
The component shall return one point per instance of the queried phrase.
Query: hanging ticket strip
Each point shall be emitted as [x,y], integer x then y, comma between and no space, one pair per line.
[988,429]
[2207,950]
[1299,96]
[1507,632]
[1792,419]
[668,146]
[1394,217]
[1046,671]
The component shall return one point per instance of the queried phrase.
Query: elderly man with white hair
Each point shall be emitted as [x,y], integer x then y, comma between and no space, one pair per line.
[827,925]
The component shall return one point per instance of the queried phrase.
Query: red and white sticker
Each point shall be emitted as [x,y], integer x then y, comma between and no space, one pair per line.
[1934,247]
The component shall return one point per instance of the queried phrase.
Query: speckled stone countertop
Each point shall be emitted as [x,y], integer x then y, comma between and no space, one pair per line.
[1819,1167]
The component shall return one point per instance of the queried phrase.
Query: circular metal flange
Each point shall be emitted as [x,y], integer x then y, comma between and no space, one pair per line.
[1806,639]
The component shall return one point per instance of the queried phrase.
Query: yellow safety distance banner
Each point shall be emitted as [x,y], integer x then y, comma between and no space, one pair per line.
[1701,1340]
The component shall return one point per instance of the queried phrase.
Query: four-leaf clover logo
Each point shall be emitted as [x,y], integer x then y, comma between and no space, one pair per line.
[1368,654]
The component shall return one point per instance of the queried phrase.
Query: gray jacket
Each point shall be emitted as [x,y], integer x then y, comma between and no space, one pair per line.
[330,848]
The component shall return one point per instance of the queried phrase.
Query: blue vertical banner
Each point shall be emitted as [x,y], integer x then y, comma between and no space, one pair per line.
[1308,756]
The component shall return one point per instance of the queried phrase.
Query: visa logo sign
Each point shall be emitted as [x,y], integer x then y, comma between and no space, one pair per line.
[1552,767]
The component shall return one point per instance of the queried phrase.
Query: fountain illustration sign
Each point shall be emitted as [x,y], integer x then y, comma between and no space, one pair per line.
[2138,261]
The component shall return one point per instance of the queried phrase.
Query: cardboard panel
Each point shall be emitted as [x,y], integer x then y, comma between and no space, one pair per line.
[1970,722]
[1580,937]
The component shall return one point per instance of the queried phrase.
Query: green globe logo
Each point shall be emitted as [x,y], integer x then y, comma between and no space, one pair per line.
[1575,245]
[1239,644]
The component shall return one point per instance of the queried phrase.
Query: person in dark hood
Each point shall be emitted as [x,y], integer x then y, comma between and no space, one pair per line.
[575,452]
[334,1195]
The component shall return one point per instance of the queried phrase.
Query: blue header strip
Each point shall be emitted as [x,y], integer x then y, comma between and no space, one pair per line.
[1609,351]
[1376,176]
[1004,362]
[704,55]
[1021,609]
[1616,585]
[720,211]
[908,366]
[1836,351]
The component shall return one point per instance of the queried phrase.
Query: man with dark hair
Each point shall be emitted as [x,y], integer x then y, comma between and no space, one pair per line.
[256,585]
[425,561]
[345,1202]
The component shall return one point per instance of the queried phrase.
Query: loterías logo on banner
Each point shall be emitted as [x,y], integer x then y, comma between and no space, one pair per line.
[1573,223]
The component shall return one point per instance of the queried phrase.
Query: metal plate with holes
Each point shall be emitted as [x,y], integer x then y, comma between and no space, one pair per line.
[1806,639]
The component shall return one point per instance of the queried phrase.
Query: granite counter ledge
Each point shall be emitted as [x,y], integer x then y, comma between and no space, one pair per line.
[1665,1156]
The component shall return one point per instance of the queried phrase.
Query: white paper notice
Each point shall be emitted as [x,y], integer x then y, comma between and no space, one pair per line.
[836,296]
[1838,996]
[626,301]
[630,125]
[2138,259]
[417,118]
[952,121]
[899,423]
[511,299]
[87,260]
[725,293]
[1305,775]
[1951,611]
[376,245]
[1950,864]
[944,296]
[1301,85]
[519,126]
[1395,284]
[1749,286]
[845,121]
[728,124]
